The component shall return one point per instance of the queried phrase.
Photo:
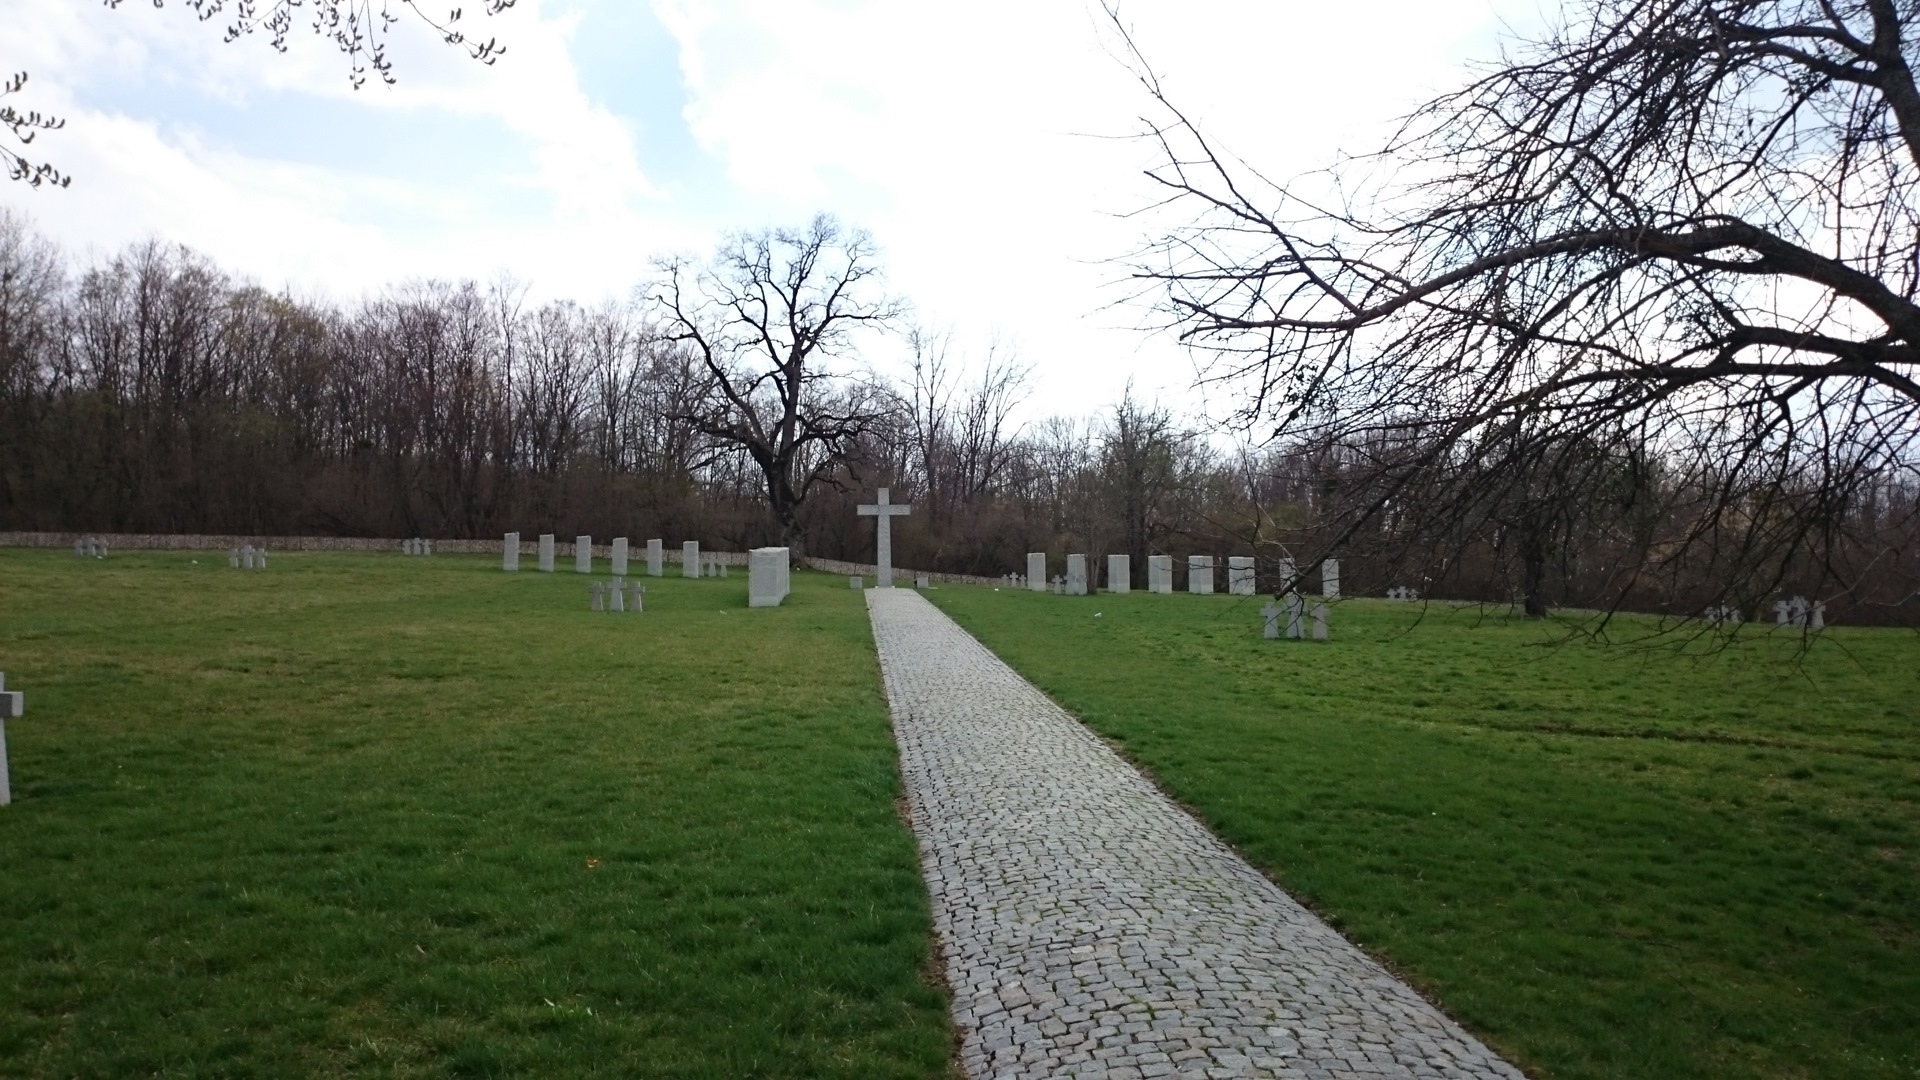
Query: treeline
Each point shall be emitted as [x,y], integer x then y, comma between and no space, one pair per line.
[153,392]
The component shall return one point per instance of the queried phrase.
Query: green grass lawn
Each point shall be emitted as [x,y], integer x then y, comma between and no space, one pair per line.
[1608,863]
[417,817]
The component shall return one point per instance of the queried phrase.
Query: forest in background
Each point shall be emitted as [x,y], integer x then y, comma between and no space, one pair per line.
[151,391]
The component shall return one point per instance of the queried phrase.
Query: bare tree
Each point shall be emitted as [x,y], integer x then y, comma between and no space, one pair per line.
[1685,225]
[767,316]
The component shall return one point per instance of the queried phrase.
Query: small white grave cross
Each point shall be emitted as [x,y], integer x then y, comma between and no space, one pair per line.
[883,556]
[12,703]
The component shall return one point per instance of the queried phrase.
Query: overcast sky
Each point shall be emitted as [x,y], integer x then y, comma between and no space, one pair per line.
[974,140]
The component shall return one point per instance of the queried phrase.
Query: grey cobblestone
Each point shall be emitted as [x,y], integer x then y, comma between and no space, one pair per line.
[1084,916]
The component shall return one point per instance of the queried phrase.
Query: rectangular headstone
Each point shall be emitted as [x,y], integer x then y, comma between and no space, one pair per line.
[1240,575]
[1319,622]
[920,582]
[1200,574]
[12,704]
[619,556]
[546,553]
[690,559]
[656,558]
[510,552]
[1160,574]
[769,572]
[1076,575]
[1119,573]
[1037,571]
[1330,579]
[583,554]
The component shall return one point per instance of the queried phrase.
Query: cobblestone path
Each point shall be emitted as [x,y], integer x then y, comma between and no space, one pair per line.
[1093,929]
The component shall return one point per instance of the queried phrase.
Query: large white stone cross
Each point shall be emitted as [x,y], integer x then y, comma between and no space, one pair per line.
[883,557]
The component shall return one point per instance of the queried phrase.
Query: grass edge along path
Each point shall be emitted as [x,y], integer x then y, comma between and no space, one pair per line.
[1605,863]
[417,817]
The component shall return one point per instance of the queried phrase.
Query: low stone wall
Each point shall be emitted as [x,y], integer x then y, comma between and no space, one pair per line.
[562,546]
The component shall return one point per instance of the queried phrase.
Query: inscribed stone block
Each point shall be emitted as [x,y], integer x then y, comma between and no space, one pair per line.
[1119,574]
[546,553]
[656,559]
[769,572]
[1037,571]
[510,552]
[690,559]
[1200,574]
[1240,575]
[583,554]
[619,556]
[1160,573]
[1076,575]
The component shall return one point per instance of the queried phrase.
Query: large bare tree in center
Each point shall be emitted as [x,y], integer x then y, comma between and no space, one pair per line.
[1670,241]
[773,318]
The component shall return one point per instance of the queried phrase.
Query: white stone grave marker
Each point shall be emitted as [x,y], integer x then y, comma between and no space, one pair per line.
[769,575]
[1076,575]
[510,552]
[1270,621]
[1119,573]
[620,556]
[13,703]
[1240,575]
[656,559]
[1160,574]
[1037,571]
[583,554]
[1200,574]
[546,553]
[690,559]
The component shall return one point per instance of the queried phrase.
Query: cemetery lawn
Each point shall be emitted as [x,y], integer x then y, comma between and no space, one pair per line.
[1605,862]
[415,817]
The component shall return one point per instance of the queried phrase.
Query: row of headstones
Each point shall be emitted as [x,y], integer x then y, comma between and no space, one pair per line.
[416,546]
[691,564]
[12,703]
[618,595]
[90,547]
[247,557]
[1240,575]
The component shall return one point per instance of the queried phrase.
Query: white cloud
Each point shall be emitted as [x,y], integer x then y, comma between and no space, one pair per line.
[970,138]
